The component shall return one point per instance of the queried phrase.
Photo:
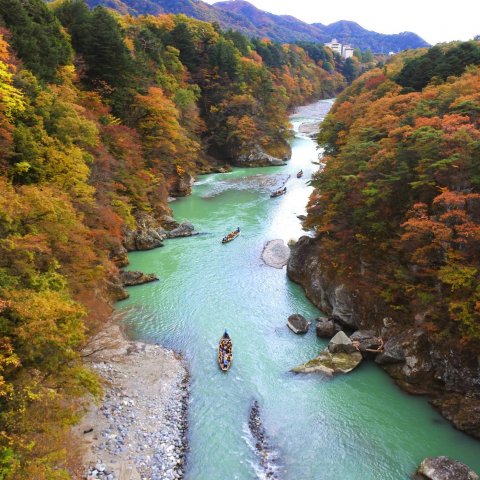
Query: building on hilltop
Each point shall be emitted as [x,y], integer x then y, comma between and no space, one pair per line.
[345,51]
[335,46]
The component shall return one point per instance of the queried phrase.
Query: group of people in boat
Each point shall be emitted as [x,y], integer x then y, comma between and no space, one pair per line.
[231,235]
[283,190]
[225,352]
[277,193]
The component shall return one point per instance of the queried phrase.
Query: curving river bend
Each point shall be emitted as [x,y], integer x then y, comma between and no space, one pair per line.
[355,427]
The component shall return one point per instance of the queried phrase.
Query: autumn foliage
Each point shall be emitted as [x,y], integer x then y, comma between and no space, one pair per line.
[99,116]
[397,207]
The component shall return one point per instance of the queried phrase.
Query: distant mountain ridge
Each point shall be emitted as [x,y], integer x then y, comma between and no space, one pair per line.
[244,17]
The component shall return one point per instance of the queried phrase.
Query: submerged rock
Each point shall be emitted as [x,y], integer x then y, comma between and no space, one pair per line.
[444,468]
[133,277]
[330,363]
[276,254]
[297,323]
[264,451]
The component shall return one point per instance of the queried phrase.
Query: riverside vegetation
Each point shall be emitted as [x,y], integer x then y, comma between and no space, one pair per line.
[397,219]
[102,117]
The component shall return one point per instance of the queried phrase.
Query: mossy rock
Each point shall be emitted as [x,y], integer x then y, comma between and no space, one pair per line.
[330,363]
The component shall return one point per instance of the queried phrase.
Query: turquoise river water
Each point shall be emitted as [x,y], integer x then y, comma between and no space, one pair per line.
[354,427]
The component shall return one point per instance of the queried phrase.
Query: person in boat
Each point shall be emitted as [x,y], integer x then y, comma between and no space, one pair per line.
[238,230]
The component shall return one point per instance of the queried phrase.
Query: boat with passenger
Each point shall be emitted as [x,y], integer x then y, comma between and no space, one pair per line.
[231,236]
[277,193]
[225,354]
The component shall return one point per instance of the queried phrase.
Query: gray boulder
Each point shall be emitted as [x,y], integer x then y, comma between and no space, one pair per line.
[326,328]
[444,468]
[340,343]
[297,323]
[276,254]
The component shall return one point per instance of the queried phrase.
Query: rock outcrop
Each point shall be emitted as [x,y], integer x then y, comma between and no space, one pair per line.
[257,157]
[330,363]
[444,468]
[330,296]
[326,327]
[133,277]
[297,323]
[418,363]
[182,185]
[151,232]
[184,229]
[340,356]
[276,254]
[367,343]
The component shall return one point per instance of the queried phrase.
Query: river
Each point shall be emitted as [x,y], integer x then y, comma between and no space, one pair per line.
[354,427]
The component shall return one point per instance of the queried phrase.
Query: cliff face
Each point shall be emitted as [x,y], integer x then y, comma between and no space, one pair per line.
[419,365]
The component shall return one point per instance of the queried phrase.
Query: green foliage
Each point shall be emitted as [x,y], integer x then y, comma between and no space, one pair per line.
[36,36]
[438,62]
[80,157]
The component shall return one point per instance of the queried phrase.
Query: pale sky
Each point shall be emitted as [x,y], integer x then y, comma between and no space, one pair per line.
[434,20]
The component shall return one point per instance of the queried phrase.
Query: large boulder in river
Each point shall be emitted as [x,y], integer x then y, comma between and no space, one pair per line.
[276,254]
[330,363]
[297,323]
[340,343]
[142,239]
[444,468]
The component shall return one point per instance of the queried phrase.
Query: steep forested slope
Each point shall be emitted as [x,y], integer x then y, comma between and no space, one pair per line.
[397,218]
[101,118]
[245,18]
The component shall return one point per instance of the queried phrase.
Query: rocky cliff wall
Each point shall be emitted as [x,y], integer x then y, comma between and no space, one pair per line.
[450,376]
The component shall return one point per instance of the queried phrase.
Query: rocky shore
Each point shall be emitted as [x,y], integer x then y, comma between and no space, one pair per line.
[450,377]
[138,430]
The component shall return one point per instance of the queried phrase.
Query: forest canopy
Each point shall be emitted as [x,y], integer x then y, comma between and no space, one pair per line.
[100,117]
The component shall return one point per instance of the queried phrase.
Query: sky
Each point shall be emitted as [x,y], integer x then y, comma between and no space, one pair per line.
[434,20]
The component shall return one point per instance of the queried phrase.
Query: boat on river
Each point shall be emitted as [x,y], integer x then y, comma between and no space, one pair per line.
[277,193]
[231,236]
[225,355]
[300,174]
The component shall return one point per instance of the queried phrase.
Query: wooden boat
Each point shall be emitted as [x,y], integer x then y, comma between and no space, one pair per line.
[300,174]
[225,354]
[282,191]
[231,236]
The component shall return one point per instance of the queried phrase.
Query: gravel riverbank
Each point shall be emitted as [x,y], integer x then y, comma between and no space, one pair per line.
[138,430]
